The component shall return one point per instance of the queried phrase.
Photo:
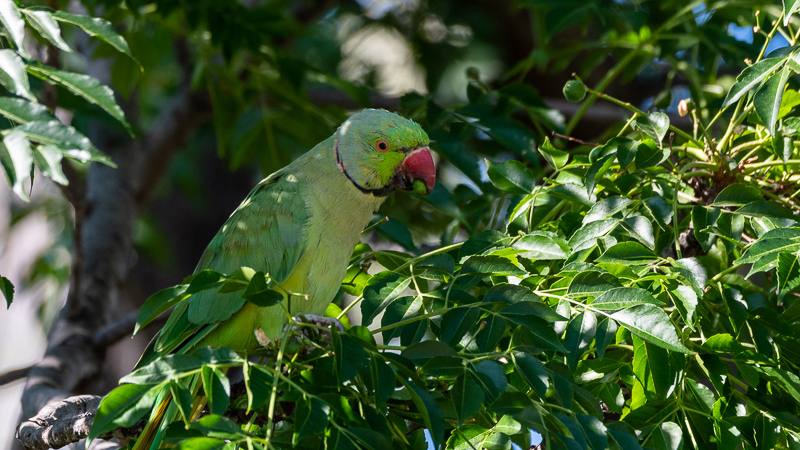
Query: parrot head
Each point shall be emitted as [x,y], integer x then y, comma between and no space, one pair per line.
[380,151]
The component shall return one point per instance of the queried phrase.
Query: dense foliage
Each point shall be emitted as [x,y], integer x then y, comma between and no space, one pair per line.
[638,291]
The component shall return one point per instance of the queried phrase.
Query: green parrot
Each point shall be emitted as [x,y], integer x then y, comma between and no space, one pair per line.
[299,225]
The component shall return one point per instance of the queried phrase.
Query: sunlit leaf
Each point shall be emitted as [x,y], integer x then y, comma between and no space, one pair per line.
[654,125]
[42,21]
[12,72]
[16,157]
[652,324]
[624,297]
[555,158]
[14,25]
[768,99]
[84,86]
[751,78]
[511,176]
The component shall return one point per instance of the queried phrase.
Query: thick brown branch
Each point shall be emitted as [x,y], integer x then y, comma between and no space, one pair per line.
[59,424]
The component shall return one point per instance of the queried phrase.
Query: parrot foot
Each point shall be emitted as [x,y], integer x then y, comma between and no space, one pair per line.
[320,321]
[308,337]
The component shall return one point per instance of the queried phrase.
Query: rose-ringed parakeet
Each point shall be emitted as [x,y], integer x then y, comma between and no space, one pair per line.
[299,225]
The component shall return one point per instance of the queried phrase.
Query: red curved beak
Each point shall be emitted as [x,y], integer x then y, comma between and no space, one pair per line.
[419,165]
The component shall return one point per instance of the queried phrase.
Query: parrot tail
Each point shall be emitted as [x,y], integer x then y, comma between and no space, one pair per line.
[147,438]
[153,432]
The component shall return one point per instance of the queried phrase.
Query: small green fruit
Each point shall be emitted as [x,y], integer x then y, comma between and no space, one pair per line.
[574,91]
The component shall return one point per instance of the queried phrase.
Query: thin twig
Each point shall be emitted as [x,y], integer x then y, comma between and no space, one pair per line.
[14,375]
[570,138]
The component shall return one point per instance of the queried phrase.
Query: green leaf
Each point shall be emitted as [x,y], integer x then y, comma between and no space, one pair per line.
[183,399]
[788,274]
[537,332]
[456,323]
[258,385]
[660,210]
[310,418]
[751,78]
[606,208]
[587,235]
[555,158]
[401,309]
[511,176]
[768,99]
[591,283]
[217,388]
[219,427]
[767,248]
[48,160]
[693,271]
[14,25]
[42,21]
[533,372]
[522,311]
[432,415]
[83,86]
[574,91]
[22,111]
[123,407]
[16,157]
[490,265]
[157,303]
[467,397]
[382,289]
[654,125]
[369,439]
[702,218]
[641,229]
[510,403]
[96,27]
[12,74]
[259,294]
[572,193]
[349,356]
[686,302]
[765,209]
[542,246]
[606,333]
[785,379]
[624,297]
[737,194]
[489,336]
[628,253]
[8,290]
[423,352]
[649,155]
[669,436]
[723,343]
[201,443]
[580,333]
[789,8]
[72,144]
[162,369]
[652,324]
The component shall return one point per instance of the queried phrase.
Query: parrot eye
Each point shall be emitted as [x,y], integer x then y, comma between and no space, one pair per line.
[382,146]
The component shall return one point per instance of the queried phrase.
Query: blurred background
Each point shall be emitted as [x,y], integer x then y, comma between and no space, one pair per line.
[264,81]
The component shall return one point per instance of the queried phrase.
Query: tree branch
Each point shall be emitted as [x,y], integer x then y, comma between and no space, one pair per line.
[103,241]
[59,424]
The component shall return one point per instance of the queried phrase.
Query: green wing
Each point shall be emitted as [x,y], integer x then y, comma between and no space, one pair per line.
[265,233]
